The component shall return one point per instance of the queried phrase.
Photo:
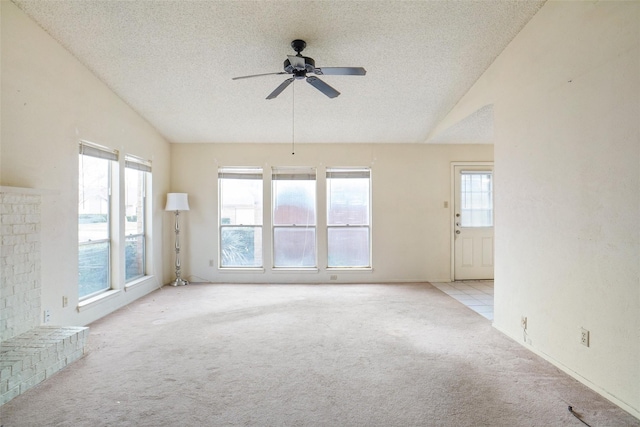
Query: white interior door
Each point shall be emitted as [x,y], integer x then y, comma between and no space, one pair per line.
[473,222]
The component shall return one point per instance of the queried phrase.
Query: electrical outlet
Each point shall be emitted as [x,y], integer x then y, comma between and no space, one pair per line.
[584,337]
[210,263]
[47,316]
[65,301]
[334,277]
[523,322]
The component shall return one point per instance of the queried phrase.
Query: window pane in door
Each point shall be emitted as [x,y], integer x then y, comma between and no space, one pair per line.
[476,199]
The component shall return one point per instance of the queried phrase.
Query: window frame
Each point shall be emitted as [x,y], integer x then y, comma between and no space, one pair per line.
[111,156]
[249,172]
[144,167]
[295,173]
[466,215]
[346,172]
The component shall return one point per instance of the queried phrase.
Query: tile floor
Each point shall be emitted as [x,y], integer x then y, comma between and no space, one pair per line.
[475,294]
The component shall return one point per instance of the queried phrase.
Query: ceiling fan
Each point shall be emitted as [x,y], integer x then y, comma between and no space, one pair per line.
[298,66]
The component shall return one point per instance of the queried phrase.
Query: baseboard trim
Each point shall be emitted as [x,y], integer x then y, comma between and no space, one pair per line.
[573,374]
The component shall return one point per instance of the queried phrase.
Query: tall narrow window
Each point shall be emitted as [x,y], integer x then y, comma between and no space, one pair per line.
[135,181]
[294,217]
[476,198]
[94,231]
[349,218]
[240,216]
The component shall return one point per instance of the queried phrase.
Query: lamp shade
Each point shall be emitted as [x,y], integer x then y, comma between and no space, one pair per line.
[177,202]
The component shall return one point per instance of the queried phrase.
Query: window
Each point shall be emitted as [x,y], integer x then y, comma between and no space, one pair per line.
[349,218]
[476,199]
[94,207]
[294,217]
[240,217]
[135,185]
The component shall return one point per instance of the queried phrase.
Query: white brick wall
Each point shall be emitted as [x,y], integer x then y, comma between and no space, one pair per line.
[36,355]
[19,263]
[29,353]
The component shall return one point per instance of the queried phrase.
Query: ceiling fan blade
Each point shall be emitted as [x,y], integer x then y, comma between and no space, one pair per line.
[280,88]
[297,62]
[258,75]
[322,87]
[341,71]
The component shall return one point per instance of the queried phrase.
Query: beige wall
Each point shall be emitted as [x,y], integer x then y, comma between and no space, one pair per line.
[567,150]
[411,235]
[50,102]
[566,95]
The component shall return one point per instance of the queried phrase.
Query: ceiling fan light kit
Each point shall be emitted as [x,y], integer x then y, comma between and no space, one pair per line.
[298,66]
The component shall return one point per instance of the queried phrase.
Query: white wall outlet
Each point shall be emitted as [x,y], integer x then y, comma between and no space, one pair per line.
[210,263]
[65,301]
[523,322]
[333,277]
[47,316]
[584,337]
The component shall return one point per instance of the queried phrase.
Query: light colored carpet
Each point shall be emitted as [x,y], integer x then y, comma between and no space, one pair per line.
[306,355]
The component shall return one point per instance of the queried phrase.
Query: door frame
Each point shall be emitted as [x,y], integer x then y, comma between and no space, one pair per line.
[452,204]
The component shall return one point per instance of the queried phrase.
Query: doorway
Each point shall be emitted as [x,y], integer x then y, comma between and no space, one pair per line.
[472,221]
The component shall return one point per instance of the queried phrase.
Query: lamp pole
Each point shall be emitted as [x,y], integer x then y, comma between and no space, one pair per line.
[179,281]
[177,202]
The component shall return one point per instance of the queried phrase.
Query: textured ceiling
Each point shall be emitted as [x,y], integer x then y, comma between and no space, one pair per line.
[172,61]
[476,128]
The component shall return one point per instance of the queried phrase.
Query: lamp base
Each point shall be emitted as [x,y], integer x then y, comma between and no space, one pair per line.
[179,282]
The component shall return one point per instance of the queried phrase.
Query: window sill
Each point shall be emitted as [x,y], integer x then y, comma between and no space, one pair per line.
[241,269]
[351,269]
[137,282]
[295,269]
[89,302]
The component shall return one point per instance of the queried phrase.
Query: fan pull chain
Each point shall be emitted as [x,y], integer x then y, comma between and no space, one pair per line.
[293,119]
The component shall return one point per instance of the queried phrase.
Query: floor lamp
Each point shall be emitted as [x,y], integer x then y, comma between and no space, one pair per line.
[177,202]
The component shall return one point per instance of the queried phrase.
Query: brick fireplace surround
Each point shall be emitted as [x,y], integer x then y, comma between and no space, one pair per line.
[30,352]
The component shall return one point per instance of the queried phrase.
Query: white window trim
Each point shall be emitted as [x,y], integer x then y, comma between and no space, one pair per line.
[351,171]
[91,149]
[293,173]
[138,282]
[296,269]
[254,172]
[241,269]
[142,165]
[94,300]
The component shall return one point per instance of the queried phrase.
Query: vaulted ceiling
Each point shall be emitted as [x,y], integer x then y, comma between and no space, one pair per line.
[173,62]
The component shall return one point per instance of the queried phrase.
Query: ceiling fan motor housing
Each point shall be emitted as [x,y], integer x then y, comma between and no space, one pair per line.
[309,66]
